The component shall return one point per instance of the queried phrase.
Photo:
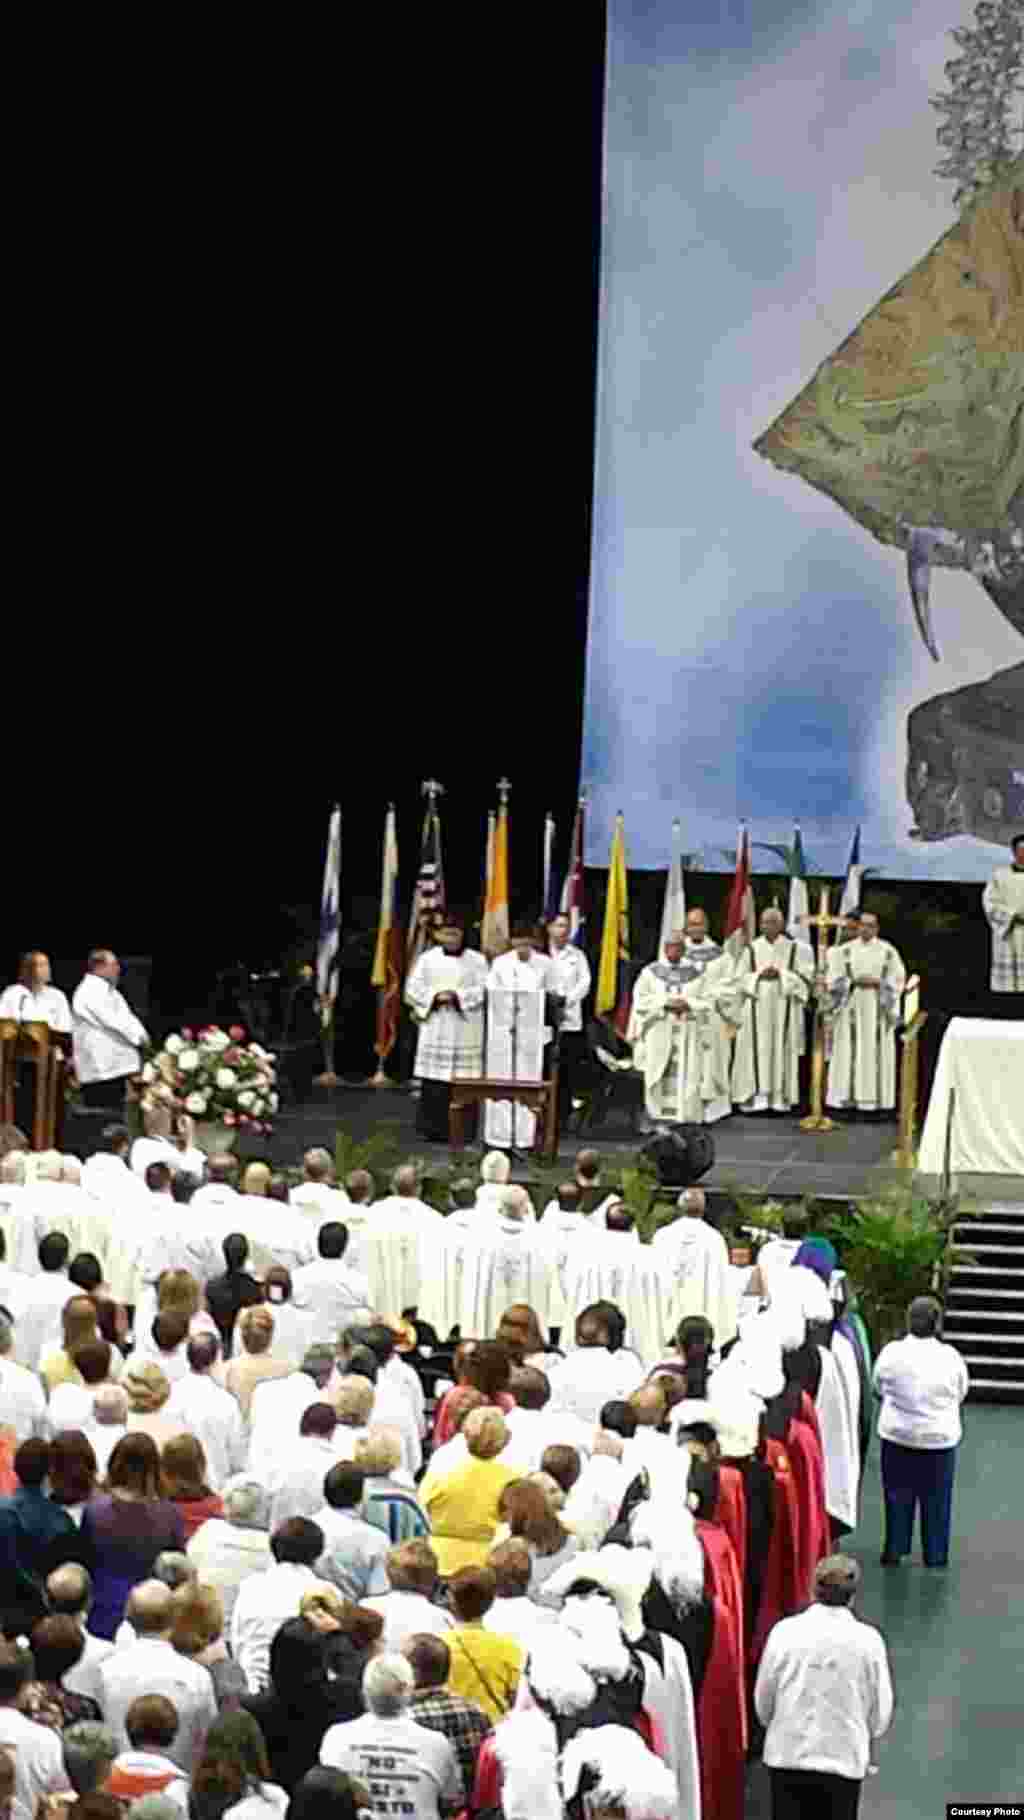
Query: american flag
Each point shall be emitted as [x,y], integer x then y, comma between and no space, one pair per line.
[428,901]
[330,922]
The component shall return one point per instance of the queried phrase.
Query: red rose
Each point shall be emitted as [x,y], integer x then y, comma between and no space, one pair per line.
[236,1033]
[232,1055]
[189,1035]
[229,1118]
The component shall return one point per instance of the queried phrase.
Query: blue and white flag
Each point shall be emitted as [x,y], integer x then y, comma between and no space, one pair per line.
[330,922]
[850,900]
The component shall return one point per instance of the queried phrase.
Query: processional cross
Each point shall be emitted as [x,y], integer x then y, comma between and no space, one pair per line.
[817,1119]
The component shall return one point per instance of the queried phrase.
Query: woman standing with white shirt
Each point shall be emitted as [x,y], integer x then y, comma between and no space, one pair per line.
[922,1383]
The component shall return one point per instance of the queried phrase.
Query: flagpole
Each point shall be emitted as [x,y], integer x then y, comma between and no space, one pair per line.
[380,1079]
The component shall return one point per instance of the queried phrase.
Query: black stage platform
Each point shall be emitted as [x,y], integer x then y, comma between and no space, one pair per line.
[761,1154]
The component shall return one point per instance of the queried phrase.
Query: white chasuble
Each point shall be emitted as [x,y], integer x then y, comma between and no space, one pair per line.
[451,1040]
[765,1070]
[509,1264]
[616,1267]
[516,1036]
[443,1283]
[680,1042]
[1002,900]
[862,1069]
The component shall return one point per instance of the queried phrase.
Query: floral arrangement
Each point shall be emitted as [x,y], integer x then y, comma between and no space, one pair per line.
[214,1074]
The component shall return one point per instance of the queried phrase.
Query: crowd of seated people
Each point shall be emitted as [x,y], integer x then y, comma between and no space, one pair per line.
[254,1559]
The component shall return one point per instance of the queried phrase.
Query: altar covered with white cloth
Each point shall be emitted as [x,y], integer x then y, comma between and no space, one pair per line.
[977,1101]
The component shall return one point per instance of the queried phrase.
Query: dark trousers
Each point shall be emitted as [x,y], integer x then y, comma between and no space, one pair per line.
[106,1096]
[808,1794]
[913,1476]
[432,1111]
[572,1050]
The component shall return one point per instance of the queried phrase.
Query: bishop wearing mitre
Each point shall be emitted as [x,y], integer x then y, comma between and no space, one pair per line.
[445,992]
[680,1037]
[774,975]
[864,991]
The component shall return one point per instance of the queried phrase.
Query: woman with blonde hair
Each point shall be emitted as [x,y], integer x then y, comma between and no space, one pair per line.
[253,1363]
[78,1321]
[126,1527]
[462,1504]
[197,1631]
[256,1179]
[183,1469]
[148,1390]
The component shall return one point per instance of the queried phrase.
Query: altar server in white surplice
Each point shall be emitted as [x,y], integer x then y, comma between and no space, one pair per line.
[692,1261]
[613,1266]
[1003,904]
[865,980]
[509,1264]
[516,1036]
[774,976]
[445,992]
[398,1244]
[679,1037]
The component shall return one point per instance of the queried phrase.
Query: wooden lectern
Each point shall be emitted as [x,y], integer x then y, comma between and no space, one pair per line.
[41,1052]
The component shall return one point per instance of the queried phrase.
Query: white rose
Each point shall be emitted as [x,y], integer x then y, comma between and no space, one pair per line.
[226,1077]
[174,1045]
[217,1041]
[188,1060]
[196,1103]
[257,1107]
[245,1099]
[149,1073]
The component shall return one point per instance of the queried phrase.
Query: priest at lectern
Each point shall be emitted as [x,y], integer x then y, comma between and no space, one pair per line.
[517,1034]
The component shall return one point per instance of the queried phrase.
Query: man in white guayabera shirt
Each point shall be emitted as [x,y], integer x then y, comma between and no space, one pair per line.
[106,1033]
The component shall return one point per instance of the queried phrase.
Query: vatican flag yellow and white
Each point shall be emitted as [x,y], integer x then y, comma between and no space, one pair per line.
[494,928]
[613,993]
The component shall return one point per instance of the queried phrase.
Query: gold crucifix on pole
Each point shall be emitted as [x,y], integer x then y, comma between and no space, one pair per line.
[817,1119]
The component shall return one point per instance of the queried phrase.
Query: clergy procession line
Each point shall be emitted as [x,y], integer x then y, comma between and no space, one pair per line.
[712,1029]
[582,1561]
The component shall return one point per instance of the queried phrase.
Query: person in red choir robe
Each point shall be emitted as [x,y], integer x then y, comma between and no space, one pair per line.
[780,1595]
[808,1465]
[675,1601]
[696,1426]
[737,1412]
[722,1580]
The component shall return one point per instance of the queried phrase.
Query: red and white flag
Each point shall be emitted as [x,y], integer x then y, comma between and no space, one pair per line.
[572,890]
[740,926]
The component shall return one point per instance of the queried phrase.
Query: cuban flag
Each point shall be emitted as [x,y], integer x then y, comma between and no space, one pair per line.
[330,922]
[572,890]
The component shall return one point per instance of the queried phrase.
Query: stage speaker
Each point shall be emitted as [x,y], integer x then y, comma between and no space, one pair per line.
[681,1154]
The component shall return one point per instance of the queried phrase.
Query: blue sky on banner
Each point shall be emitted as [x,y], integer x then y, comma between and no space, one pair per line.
[768,176]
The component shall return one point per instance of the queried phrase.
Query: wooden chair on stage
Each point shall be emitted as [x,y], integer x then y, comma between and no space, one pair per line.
[40,1055]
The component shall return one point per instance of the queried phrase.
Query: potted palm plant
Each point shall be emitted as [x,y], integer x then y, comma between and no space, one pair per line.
[896,1244]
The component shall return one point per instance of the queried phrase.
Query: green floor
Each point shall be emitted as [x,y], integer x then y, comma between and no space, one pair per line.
[955,1639]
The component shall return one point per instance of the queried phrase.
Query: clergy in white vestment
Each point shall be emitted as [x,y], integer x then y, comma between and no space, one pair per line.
[50,1203]
[564,1225]
[516,1036]
[107,1035]
[445,992]
[1003,903]
[774,976]
[594,1374]
[613,1266]
[509,1264]
[398,1244]
[443,1287]
[864,985]
[168,1139]
[680,1037]
[692,1260]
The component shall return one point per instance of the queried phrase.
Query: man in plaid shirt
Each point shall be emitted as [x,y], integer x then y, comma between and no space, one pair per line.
[463,1724]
